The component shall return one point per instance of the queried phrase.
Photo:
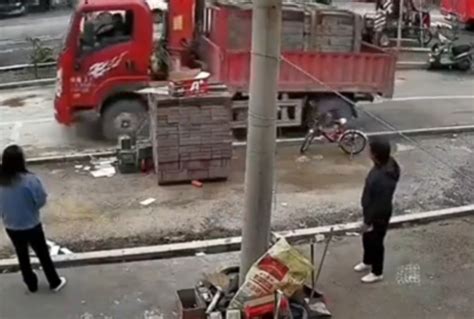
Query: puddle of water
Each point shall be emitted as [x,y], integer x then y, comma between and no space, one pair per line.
[331,168]
[16,101]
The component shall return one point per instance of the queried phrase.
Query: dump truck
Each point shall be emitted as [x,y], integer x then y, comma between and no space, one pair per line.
[111,51]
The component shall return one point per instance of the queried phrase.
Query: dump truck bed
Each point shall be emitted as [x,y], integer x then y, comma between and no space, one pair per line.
[369,71]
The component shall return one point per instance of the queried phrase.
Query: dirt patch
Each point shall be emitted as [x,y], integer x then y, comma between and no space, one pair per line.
[86,214]
[16,101]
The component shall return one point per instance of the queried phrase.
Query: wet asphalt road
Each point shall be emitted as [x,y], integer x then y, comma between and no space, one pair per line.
[422,99]
[52,26]
[49,27]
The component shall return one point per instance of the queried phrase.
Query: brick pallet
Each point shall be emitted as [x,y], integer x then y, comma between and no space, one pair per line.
[192,137]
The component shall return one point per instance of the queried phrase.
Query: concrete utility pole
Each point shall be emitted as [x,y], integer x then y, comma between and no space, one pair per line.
[400,24]
[266,33]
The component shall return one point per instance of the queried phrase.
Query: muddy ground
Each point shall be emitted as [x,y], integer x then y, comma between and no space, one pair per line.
[86,214]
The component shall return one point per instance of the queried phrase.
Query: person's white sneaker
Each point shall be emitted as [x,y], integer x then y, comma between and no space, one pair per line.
[371,278]
[61,285]
[361,267]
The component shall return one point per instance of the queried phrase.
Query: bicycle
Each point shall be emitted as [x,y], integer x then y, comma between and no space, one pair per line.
[350,141]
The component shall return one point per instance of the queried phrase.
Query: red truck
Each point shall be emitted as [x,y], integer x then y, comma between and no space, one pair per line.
[463,10]
[103,64]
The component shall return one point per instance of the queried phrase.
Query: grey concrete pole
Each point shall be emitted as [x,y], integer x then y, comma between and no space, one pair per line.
[400,24]
[266,33]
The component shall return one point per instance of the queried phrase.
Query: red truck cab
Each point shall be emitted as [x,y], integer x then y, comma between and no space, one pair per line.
[107,58]
[102,56]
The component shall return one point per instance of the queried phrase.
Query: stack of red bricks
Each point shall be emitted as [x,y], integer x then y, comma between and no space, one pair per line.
[192,137]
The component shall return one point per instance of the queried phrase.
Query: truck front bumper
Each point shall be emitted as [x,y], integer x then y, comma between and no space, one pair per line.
[62,113]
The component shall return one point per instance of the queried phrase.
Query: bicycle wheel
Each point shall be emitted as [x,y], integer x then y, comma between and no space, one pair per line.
[308,139]
[353,142]
[427,37]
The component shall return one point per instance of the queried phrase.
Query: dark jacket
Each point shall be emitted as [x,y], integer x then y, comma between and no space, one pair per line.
[378,193]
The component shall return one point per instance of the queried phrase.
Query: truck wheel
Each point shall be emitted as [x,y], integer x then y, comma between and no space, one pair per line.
[125,117]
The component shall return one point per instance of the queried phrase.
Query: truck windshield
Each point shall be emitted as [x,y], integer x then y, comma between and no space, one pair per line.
[68,31]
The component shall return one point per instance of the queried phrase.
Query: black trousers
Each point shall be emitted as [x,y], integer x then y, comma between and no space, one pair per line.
[34,238]
[374,249]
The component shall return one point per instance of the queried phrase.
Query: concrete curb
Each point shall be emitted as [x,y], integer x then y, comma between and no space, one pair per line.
[213,246]
[71,157]
[282,141]
[415,50]
[410,132]
[24,84]
[18,67]
[411,65]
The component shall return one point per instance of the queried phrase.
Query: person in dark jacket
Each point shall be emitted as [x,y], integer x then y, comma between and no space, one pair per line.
[21,197]
[377,200]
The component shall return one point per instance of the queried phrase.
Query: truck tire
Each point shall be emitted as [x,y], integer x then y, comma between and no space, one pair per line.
[125,117]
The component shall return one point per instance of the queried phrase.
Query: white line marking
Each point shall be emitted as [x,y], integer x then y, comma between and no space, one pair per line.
[419,98]
[426,98]
[10,50]
[34,121]
[16,131]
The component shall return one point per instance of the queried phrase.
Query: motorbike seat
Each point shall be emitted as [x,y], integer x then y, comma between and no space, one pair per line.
[462,48]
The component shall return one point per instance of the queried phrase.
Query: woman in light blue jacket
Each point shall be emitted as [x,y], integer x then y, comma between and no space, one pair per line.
[21,197]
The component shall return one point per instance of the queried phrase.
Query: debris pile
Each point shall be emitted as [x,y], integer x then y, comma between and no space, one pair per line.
[103,167]
[98,167]
[273,288]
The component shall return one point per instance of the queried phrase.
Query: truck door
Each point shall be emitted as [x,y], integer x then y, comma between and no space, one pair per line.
[106,55]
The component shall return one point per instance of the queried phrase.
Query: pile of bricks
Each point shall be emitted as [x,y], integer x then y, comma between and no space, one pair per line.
[192,137]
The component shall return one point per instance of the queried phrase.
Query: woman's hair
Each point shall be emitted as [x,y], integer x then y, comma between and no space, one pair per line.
[380,149]
[12,166]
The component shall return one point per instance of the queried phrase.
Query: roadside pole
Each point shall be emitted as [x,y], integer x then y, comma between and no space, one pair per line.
[259,172]
[400,22]
[422,32]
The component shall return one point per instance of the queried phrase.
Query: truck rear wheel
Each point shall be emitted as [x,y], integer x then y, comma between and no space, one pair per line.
[125,117]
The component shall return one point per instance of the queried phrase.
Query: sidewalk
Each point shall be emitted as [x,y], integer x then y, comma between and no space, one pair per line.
[429,274]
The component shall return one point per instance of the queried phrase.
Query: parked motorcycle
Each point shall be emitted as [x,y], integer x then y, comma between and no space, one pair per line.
[447,55]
